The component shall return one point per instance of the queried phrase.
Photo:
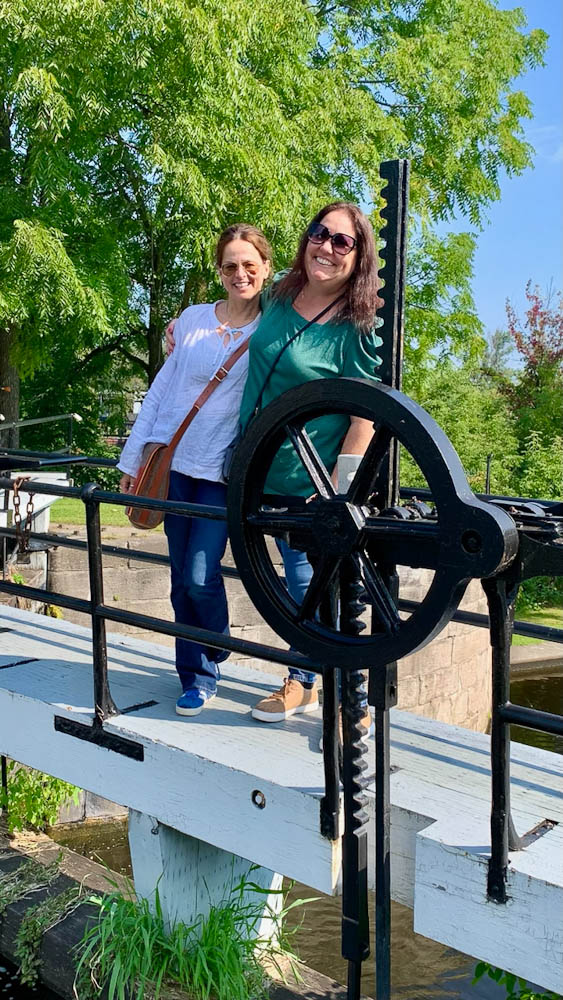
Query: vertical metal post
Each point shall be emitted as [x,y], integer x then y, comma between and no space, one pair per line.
[103,701]
[394,253]
[383,680]
[330,802]
[355,915]
[4,782]
[488,473]
[501,596]
[384,690]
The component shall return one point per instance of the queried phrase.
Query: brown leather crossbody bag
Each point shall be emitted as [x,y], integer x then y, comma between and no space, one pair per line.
[153,478]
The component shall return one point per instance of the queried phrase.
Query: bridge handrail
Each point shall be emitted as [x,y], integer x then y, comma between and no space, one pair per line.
[504,713]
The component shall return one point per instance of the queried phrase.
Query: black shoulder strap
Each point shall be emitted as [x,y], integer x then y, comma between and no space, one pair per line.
[309,323]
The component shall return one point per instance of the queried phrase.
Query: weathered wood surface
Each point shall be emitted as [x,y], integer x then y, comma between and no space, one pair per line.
[199,774]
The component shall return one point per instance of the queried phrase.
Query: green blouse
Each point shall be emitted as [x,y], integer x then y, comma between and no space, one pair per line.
[325,350]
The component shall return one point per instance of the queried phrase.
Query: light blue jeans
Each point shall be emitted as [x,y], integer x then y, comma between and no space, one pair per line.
[298,573]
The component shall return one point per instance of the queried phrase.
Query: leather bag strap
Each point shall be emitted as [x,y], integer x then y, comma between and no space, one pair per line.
[216,380]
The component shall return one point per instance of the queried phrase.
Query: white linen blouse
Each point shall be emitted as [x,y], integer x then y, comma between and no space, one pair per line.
[198,353]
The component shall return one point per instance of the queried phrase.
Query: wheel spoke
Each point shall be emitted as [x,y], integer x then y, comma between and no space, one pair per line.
[378,594]
[363,482]
[323,574]
[311,460]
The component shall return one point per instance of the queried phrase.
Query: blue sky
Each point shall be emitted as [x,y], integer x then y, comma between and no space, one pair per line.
[524,237]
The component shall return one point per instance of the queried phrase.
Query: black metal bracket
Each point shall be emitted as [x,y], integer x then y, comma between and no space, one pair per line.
[96,734]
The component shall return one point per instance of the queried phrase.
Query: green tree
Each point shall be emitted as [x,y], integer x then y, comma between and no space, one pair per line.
[475,417]
[498,352]
[536,393]
[131,133]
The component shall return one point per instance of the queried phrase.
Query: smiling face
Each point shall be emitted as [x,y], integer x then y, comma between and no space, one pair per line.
[242,283]
[324,268]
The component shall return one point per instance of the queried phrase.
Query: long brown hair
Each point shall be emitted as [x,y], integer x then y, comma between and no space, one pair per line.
[243,231]
[361,298]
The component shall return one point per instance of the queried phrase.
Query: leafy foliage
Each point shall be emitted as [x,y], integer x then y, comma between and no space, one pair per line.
[536,394]
[473,415]
[134,954]
[516,988]
[29,877]
[130,134]
[33,799]
[36,922]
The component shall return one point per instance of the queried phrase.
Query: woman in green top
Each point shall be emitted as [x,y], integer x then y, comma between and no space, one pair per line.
[335,274]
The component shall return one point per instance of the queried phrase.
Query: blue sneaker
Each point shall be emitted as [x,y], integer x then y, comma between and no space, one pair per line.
[192,701]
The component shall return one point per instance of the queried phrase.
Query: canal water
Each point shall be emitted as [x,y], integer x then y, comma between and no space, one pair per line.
[421,969]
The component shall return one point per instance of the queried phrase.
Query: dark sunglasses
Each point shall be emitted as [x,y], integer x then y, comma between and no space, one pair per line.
[341,243]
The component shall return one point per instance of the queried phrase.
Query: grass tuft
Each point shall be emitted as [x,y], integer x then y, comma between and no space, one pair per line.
[134,955]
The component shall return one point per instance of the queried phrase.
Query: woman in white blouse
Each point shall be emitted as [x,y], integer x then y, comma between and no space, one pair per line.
[205,336]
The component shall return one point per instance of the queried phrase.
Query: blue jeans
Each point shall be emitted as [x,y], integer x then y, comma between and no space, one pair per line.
[198,596]
[298,573]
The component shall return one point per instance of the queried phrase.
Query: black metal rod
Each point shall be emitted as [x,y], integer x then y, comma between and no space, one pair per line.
[355,913]
[208,638]
[46,596]
[4,782]
[104,705]
[532,718]
[98,462]
[405,492]
[382,857]
[423,493]
[330,802]
[501,599]
[546,632]
[483,621]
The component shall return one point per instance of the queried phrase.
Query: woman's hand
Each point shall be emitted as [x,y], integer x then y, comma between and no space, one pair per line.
[169,337]
[127,483]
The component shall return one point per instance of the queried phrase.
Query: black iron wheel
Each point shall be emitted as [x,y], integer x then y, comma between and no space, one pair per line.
[465,539]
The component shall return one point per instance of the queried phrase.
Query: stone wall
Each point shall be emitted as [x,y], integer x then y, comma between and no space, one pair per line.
[449,680]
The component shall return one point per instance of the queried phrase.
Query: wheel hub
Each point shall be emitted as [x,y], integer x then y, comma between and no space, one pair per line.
[336,526]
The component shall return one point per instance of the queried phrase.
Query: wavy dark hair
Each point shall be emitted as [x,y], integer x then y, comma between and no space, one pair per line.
[361,299]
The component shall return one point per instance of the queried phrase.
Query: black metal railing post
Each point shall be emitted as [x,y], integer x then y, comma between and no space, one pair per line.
[501,597]
[384,693]
[330,802]
[104,704]
[355,912]
[4,781]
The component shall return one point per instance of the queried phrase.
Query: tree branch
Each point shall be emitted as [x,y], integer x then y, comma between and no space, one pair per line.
[113,345]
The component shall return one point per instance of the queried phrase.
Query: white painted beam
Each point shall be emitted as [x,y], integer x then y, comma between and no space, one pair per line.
[199,775]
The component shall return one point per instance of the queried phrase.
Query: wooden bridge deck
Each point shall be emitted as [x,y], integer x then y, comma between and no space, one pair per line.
[198,776]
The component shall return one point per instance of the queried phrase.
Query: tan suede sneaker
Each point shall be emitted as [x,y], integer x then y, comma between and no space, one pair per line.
[291,699]
[367,723]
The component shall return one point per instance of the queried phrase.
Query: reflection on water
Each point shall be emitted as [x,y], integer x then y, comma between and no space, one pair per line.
[10,988]
[545,694]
